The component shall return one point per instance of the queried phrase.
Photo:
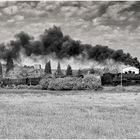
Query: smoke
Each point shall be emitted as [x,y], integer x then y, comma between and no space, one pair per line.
[59,46]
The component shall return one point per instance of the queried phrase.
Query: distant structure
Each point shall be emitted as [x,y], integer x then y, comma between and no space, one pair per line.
[22,71]
[3,70]
[130,70]
[37,66]
[36,73]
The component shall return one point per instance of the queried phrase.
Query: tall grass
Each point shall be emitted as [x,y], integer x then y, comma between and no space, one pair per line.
[68,116]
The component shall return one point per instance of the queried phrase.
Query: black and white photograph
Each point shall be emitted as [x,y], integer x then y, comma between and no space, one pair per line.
[69,69]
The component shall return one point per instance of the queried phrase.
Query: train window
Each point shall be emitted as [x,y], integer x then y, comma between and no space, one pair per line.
[125,72]
[129,72]
[133,72]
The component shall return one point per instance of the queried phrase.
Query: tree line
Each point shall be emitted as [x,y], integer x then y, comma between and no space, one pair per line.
[59,72]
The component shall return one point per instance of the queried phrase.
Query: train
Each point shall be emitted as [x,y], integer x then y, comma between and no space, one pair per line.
[107,79]
[20,81]
[120,79]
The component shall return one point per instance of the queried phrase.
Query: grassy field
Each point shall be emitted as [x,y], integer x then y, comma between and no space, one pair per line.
[71,114]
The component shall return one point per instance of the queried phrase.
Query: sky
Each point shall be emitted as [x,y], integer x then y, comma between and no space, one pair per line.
[115,24]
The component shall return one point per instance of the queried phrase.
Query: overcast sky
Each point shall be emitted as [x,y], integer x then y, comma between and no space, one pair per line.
[116,24]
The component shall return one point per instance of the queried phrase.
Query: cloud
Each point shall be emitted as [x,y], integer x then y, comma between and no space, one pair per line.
[33,12]
[69,11]
[132,6]
[115,24]
[3,4]
[10,10]
[19,17]
[23,5]
[10,20]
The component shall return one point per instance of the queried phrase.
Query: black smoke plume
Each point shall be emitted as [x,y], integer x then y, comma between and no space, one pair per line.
[54,43]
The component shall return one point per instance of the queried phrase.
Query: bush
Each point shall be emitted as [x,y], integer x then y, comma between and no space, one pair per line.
[92,81]
[22,86]
[74,83]
[45,81]
[35,87]
[66,83]
[89,82]
[29,87]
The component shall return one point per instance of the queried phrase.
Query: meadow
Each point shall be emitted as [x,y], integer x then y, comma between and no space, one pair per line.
[69,114]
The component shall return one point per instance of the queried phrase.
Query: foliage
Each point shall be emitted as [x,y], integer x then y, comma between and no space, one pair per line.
[29,87]
[44,82]
[22,86]
[58,72]
[92,71]
[92,82]
[74,83]
[9,65]
[79,73]
[48,68]
[69,70]
[0,70]
[66,83]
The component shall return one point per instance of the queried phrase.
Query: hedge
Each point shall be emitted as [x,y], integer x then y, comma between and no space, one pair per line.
[89,82]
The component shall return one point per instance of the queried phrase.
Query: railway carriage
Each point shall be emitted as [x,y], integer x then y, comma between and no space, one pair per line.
[117,79]
[21,81]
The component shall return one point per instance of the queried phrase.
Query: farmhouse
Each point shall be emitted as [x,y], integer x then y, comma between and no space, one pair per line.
[36,73]
[131,70]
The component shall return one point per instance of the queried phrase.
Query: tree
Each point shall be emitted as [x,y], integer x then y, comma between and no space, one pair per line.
[69,71]
[0,70]
[92,71]
[58,68]
[79,73]
[48,68]
[10,64]
[59,71]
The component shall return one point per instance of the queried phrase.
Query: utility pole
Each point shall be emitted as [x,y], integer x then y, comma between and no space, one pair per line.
[121,77]
[30,81]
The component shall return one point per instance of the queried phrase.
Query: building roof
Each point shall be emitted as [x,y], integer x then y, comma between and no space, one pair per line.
[130,68]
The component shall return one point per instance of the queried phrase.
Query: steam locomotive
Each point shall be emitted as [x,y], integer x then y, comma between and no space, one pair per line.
[106,80]
[118,79]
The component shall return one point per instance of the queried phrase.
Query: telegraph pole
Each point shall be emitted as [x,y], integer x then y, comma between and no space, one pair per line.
[121,77]
[30,80]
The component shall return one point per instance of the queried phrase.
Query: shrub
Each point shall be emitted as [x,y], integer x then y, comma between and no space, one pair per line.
[45,81]
[22,86]
[66,83]
[79,73]
[89,82]
[35,87]
[29,87]
[95,80]
[92,71]
[74,83]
